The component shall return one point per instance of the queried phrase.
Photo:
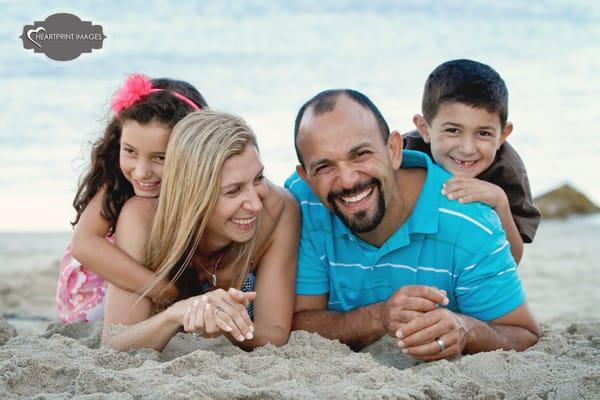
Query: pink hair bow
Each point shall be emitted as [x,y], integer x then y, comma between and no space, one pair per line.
[135,87]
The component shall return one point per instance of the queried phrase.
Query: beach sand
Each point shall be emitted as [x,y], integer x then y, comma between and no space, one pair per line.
[44,359]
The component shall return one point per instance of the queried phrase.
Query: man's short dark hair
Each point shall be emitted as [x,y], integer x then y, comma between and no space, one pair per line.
[325,102]
[465,81]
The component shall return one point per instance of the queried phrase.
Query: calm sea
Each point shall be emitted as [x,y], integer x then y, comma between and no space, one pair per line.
[263,59]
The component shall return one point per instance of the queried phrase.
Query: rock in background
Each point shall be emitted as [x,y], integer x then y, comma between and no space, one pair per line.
[565,201]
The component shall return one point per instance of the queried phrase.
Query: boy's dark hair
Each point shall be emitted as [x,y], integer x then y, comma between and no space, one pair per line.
[326,100]
[465,81]
[104,170]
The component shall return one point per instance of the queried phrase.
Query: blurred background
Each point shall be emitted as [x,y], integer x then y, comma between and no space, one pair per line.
[263,59]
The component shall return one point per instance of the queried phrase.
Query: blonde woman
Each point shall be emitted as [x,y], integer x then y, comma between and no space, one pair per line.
[217,227]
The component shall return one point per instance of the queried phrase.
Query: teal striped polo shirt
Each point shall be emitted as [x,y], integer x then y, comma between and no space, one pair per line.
[460,248]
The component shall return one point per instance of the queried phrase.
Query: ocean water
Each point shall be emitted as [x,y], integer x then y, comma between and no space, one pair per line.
[263,59]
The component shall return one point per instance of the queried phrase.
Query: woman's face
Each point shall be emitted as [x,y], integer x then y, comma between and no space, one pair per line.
[241,194]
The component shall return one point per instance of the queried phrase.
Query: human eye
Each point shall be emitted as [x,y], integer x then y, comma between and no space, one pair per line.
[232,190]
[362,154]
[321,169]
[127,150]
[452,131]
[485,134]
[259,179]
[159,158]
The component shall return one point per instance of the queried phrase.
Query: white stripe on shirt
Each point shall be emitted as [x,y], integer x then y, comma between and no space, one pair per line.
[506,270]
[499,249]
[311,203]
[465,217]
[294,182]
[388,265]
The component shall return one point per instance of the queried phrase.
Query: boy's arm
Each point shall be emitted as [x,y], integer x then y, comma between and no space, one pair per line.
[510,227]
[467,190]
[91,249]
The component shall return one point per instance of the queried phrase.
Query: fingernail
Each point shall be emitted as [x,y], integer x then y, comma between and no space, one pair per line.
[241,338]
[249,335]
[228,328]
[444,192]
[404,351]
[203,299]
[189,310]
[399,334]
[446,301]
[207,306]
[251,328]
[196,302]
[400,344]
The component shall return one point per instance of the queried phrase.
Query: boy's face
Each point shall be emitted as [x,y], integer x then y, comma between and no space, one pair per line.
[463,139]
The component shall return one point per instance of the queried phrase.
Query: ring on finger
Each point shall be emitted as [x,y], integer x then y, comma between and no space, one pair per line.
[217,309]
[441,344]
[197,333]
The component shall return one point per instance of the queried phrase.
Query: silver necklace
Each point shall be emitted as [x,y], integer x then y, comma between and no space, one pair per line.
[213,275]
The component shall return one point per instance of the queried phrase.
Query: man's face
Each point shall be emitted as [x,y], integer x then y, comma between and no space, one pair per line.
[347,165]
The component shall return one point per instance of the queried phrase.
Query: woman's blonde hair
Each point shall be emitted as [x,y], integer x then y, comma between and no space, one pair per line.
[198,147]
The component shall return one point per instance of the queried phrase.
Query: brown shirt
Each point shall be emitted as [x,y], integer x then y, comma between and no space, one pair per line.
[508,172]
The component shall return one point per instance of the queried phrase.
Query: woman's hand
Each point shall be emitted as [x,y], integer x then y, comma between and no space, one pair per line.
[219,312]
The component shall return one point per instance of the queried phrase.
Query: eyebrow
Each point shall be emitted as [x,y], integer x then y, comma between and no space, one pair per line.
[350,153]
[262,170]
[489,127]
[133,147]
[358,148]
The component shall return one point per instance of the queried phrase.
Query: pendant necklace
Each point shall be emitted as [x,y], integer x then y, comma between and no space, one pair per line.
[213,275]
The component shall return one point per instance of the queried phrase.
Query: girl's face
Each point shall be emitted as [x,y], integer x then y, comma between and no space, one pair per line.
[142,155]
[241,194]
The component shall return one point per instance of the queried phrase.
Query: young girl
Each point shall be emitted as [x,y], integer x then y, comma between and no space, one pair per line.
[126,161]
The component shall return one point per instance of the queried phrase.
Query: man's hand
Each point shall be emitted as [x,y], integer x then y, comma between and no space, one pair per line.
[434,335]
[408,303]
[468,190]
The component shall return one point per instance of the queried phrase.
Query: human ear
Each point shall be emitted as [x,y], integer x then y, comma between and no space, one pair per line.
[508,128]
[395,146]
[422,127]
[302,172]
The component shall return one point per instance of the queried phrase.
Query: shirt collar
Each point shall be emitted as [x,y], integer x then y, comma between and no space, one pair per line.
[424,217]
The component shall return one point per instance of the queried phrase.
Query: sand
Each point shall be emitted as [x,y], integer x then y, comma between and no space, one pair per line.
[560,272]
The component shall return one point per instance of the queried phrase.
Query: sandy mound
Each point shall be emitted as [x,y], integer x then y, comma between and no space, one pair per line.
[67,362]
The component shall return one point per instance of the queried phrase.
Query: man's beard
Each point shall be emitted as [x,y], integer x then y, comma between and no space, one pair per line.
[360,222]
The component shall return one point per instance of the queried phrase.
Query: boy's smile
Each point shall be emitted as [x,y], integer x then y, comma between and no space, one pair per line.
[463,139]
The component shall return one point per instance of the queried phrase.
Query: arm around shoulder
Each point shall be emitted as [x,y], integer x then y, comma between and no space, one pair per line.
[134,226]
[124,307]
[116,266]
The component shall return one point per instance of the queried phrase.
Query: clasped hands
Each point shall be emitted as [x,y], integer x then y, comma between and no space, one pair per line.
[423,329]
[219,312]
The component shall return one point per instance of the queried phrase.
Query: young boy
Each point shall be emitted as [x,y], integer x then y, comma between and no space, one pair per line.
[463,128]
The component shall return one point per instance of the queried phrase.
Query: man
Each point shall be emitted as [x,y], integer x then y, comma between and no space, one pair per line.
[384,252]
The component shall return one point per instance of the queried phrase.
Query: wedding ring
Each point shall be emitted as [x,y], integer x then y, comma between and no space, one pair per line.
[441,344]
